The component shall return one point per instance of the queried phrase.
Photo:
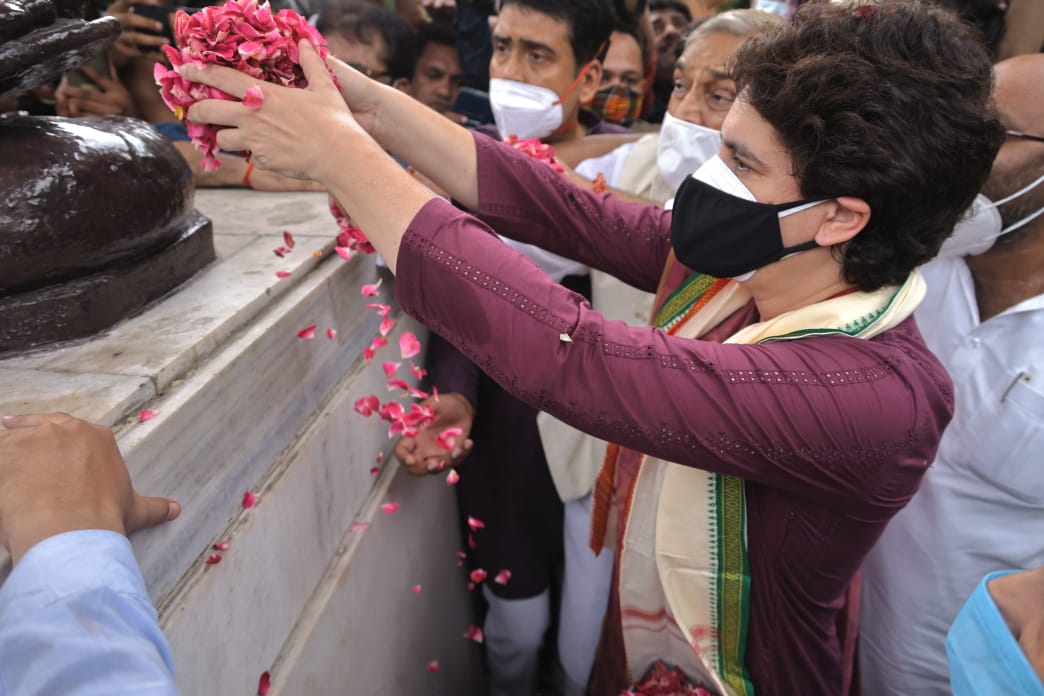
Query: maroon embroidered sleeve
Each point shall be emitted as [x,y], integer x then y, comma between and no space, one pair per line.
[527,200]
[832,418]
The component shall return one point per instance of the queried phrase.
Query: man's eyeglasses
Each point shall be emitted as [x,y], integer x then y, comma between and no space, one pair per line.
[1020,134]
[379,76]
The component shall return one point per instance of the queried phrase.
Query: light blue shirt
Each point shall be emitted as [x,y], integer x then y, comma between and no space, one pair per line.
[75,620]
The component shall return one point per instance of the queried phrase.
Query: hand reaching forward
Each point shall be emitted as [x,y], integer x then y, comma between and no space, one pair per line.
[423,454]
[59,474]
[292,131]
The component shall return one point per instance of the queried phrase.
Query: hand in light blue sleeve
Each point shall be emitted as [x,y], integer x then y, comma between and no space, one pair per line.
[75,620]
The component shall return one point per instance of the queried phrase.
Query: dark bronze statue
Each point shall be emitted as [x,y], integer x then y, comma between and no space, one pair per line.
[96,216]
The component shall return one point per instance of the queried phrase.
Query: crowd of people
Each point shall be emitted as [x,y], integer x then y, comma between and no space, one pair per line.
[787,282]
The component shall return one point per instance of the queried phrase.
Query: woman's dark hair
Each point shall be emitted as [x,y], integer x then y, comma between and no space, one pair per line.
[590,23]
[888,102]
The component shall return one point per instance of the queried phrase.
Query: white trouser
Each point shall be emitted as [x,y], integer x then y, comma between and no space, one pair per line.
[585,595]
[514,628]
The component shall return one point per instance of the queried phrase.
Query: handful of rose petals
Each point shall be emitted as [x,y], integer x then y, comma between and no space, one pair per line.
[240,34]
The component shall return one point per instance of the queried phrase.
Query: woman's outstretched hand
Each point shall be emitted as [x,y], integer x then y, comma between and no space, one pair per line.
[293,131]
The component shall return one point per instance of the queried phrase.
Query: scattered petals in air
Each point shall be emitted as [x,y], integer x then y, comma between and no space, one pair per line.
[367,405]
[374,471]
[417,393]
[288,239]
[386,326]
[359,527]
[382,309]
[475,524]
[350,235]
[240,34]
[308,332]
[283,274]
[471,585]
[478,575]
[474,633]
[389,508]
[416,589]
[502,577]
[472,544]
[281,251]
[661,680]
[375,345]
[452,478]
[432,666]
[398,384]
[254,98]
[213,558]
[380,457]
[461,554]
[249,500]
[390,368]
[417,372]
[147,414]
[409,346]
[344,252]
[331,334]
[447,440]
[372,289]
[221,546]
[264,685]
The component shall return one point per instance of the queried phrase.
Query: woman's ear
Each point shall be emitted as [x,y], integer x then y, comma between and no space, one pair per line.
[847,218]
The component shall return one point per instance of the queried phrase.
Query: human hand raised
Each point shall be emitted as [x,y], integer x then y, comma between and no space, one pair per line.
[134,41]
[294,132]
[59,474]
[422,454]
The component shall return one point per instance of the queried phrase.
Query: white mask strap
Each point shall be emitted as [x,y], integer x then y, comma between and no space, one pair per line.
[1023,221]
[798,209]
[1021,191]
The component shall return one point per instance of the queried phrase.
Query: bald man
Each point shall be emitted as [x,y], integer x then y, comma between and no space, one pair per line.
[981,505]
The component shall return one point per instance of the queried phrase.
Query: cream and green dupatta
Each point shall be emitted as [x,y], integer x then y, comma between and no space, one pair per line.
[684,577]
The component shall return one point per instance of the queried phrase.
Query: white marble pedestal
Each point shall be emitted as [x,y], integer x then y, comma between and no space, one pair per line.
[244,404]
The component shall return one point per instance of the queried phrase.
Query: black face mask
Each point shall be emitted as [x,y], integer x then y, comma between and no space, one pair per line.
[725,236]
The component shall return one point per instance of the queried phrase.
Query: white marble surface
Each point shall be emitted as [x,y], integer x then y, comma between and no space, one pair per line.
[244,404]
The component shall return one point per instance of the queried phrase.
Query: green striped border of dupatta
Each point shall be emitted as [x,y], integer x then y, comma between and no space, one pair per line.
[733,579]
[679,301]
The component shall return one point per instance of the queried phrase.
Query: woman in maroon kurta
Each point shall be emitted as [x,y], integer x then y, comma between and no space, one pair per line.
[857,111]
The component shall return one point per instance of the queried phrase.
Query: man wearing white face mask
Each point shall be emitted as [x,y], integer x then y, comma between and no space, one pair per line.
[979,507]
[546,62]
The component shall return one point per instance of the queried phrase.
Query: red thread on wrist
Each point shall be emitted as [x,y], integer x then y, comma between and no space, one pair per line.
[246,177]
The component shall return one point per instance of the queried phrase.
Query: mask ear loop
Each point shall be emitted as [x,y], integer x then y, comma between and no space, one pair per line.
[1018,193]
[569,90]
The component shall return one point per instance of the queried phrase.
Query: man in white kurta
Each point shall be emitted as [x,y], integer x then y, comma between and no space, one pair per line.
[981,505]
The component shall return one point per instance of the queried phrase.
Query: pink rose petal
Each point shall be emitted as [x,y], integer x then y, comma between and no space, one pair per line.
[478,575]
[147,414]
[344,252]
[472,544]
[249,500]
[461,554]
[475,523]
[331,334]
[380,456]
[452,477]
[283,274]
[254,97]
[386,326]
[502,577]
[288,238]
[390,368]
[221,546]
[474,633]
[389,508]
[432,666]
[374,471]
[397,384]
[417,372]
[264,685]
[371,290]
[213,559]
[359,527]
[416,589]
[447,439]
[409,346]
[308,332]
